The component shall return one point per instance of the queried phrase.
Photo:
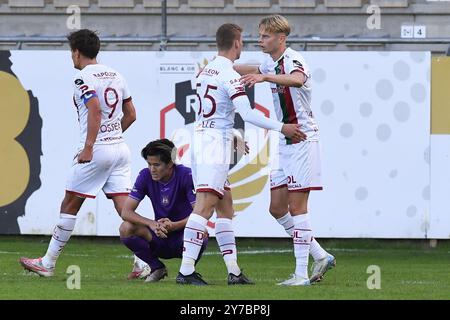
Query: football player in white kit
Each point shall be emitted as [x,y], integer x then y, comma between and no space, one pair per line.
[105,110]
[297,168]
[220,94]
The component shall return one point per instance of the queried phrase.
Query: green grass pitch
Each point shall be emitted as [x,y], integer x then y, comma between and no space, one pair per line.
[409,270]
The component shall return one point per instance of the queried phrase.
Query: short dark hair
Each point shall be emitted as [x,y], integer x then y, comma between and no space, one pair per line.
[226,34]
[164,148]
[85,41]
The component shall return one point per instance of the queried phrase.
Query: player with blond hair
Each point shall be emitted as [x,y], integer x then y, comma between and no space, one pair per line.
[297,169]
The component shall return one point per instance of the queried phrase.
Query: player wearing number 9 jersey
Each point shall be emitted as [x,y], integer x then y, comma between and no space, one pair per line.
[220,96]
[105,110]
[103,82]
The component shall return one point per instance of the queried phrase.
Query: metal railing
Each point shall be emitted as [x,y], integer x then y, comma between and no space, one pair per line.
[166,40]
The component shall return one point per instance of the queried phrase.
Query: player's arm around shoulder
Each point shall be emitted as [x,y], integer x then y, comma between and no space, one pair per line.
[251,74]
[296,71]
[244,69]
[293,79]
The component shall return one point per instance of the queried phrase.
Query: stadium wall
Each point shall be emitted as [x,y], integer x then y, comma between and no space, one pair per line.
[384,174]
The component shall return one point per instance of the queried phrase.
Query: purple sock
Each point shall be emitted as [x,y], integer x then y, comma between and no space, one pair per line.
[141,248]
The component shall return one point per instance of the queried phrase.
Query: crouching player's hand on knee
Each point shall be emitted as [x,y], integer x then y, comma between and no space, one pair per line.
[158,229]
[168,224]
[171,226]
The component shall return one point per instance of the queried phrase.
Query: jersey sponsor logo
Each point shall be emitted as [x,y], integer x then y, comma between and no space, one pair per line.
[280,89]
[79,82]
[105,74]
[210,72]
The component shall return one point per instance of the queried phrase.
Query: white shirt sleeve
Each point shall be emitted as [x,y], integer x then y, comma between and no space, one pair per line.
[233,86]
[242,105]
[84,87]
[296,63]
[264,67]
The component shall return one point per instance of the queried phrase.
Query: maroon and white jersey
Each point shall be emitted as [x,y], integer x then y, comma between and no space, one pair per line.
[217,86]
[292,104]
[110,88]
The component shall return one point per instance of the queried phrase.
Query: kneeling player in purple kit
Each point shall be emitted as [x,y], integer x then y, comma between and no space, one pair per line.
[171,191]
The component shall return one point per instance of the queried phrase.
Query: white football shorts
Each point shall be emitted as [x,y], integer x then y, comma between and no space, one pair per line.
[297,167]
[109,170]
[210,160]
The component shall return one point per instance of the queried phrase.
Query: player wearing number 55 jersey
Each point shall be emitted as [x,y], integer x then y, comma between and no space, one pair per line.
[105,110]
[220,96]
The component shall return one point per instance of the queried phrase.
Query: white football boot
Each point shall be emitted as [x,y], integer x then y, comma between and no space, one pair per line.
[295,281]
[36,266]
[320,267]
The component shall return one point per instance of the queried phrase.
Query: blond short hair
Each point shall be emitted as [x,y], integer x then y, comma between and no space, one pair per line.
[275,24]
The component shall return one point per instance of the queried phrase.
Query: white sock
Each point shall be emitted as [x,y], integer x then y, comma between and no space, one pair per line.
[288,223]
[61,234]
[302,239]
[227,244]
[316,251]
[192,242]
[139,263]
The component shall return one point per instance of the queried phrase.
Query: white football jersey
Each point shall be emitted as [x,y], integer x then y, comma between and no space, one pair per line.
[292,105]
[111,89]
[217,85]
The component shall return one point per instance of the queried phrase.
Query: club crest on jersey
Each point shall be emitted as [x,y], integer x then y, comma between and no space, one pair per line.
[165,200]
[79,82]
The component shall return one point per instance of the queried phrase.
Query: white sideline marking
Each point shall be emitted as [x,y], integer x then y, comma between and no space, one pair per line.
[9,252]
[78,255]
[262,251]
[126,256]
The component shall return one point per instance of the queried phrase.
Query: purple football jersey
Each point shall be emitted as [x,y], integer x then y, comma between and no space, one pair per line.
[172,199]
